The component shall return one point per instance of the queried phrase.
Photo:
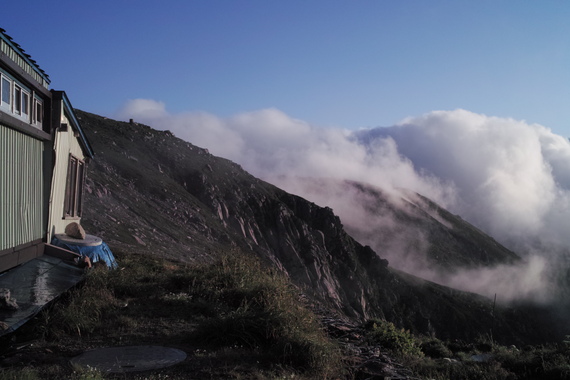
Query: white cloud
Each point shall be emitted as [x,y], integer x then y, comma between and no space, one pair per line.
[269,144]
[526,280]
[512,178]
[144,109]
[200,128]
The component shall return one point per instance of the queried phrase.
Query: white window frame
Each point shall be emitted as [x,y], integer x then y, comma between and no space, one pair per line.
[25,105]
[37,112]
[17,99]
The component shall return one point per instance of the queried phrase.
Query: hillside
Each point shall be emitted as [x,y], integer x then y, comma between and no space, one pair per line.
[152,193]
[411,231]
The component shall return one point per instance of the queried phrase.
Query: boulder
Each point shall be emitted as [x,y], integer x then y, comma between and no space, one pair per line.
[75,230]
[6,302]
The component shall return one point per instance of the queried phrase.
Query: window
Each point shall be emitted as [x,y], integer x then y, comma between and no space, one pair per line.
[6,91]
[17,99]
[80,181]
[25,104]
[74,188]
[20,101]
[39,113]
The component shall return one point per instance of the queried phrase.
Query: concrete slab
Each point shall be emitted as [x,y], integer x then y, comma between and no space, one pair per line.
[33,285]
[129,358]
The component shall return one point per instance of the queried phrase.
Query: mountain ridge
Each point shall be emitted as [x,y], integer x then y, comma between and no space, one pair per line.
[150,192]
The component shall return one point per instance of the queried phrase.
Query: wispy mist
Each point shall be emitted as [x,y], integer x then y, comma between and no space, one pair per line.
[271,145]
[509,178]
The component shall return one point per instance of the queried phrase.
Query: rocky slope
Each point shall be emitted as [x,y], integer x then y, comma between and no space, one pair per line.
[150,192]
[411,231]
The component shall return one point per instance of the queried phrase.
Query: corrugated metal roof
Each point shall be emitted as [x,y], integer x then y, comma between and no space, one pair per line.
[23,54]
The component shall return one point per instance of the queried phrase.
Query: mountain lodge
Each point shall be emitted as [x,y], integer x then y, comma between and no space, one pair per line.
[43,157]
[43,154]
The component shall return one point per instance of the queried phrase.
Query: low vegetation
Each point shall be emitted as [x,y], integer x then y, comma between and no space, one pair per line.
[431,358]
[237,319]
[233,316]
[500,362]
[259,310]
[398,341]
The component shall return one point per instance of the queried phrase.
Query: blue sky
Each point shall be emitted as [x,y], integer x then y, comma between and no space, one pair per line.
[347,64]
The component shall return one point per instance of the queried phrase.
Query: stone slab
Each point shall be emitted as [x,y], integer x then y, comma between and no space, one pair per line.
[89,241]
[130,358]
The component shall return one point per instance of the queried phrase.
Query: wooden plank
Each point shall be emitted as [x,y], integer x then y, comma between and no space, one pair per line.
[60,253]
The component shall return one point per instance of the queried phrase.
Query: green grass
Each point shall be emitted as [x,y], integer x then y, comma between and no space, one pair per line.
[431,358]
[238,319]
[259,310]
[19,374]
[83,309]
[233,306]
[399,341]
[32,374]
[550,361]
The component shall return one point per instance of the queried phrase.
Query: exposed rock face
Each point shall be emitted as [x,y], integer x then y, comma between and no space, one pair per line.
[183,203]
[410,230]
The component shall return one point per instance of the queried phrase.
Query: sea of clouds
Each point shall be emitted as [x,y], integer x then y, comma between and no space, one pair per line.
[509,178]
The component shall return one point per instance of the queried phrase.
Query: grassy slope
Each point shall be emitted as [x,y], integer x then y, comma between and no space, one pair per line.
[237,319]
[234,318]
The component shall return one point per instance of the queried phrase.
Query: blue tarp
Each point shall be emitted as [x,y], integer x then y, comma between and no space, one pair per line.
[100,252]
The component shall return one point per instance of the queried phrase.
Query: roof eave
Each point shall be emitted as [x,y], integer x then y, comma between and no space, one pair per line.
[88,150]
